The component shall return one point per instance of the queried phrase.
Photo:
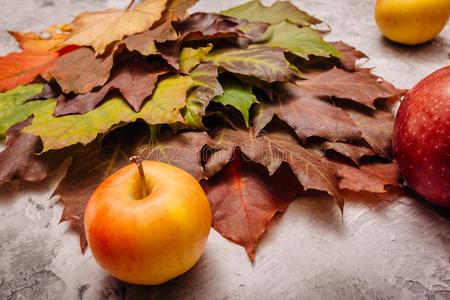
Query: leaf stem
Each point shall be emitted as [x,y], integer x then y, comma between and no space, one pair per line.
[138,161]
[130,5]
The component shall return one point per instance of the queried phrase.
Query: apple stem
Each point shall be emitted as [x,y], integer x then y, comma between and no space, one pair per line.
[138,161]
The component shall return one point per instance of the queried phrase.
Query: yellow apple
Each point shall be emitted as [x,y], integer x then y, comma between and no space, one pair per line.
[411,22]
[148,231]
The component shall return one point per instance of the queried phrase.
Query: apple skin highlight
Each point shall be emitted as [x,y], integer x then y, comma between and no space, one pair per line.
[422,137]
[149,240]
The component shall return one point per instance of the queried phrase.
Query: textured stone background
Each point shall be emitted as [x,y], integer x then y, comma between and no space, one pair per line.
[381,250]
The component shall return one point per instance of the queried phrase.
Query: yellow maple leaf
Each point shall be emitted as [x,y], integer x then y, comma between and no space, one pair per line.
[99,29]
[51,39]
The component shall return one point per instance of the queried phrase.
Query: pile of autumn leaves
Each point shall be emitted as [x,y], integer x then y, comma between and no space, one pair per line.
[252,102]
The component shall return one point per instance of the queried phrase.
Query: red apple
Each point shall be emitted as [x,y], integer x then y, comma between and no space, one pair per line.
[422,137]
[148,231]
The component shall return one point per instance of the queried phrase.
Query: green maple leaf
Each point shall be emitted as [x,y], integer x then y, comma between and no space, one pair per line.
[239,96]
[300,41]
[264,63]
[14,107]
[280,11]
[163,108]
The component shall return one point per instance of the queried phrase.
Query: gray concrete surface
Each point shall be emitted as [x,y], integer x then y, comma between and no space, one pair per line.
[382,250]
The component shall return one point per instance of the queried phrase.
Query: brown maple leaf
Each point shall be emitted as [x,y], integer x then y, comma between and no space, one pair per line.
[144,42]
[182,150]
[244,199]
[360,86]
[307,114]
[273,148]
[352,151]
[135,79]
[19,160]
[376,128]
[349,55]
[373,177]
[80,70]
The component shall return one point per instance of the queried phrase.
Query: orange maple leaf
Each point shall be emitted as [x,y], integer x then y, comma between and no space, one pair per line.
[24,67]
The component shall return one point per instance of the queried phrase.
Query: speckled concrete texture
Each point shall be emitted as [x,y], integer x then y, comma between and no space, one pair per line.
[381,250]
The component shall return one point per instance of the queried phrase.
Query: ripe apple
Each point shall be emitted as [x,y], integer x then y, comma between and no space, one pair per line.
[411,22]
[422,137]
[148,231]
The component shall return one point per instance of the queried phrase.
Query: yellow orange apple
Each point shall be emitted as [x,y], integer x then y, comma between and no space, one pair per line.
[411,22]
[148,232]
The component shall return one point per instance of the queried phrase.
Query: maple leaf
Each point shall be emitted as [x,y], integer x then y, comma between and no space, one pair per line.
[280,11]
[264,63]
[177,9]
[360,86]
[144,42]
[238,96]
[192,57]
[54,36]
[307,114]
[201,26]
[47,91]
[206,87]
[100,29]
[299,41]
[376,128]
[375,177]
[271,149]
[244,199]
[23,68]
[349,55]
[80,71]
[197,27]
[182,150]
[14,107]
[135,79]
[163,107]
[19,161]
[352,151]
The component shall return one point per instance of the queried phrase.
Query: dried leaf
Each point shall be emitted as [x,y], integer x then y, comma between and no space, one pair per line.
[376,128]
[264,63]
[201,26]
[144,42]
[360,86]
[135,79]
[80,71]
[299,41]
[182,150]
[354,152]
[244,199]
[280,11]
[177,9]
[307,114]
[238,96]
[375,177]
[273,148]
[100,29]
[192,57]
[349,55]
[163,108]
[24,67]
[55,35]
[206,88]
